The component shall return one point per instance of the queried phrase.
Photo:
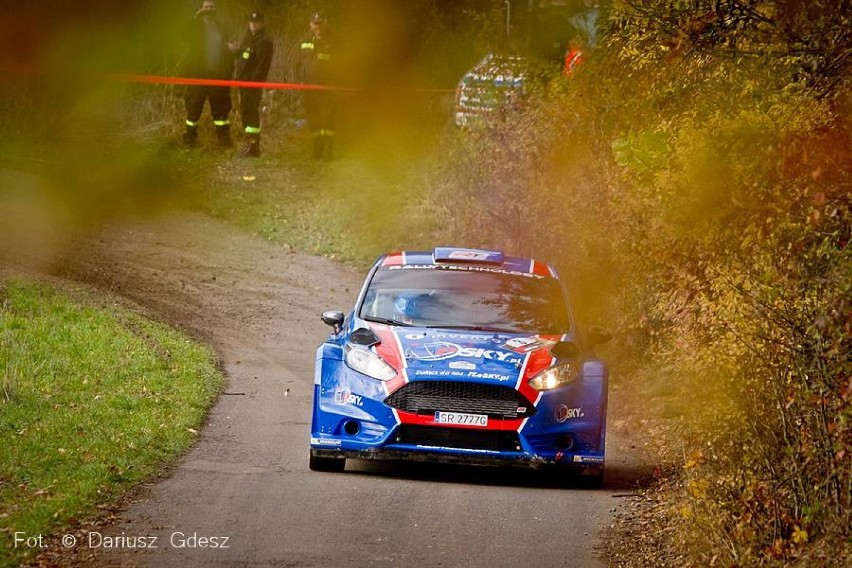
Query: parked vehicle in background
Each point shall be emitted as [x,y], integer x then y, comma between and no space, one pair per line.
[495,83]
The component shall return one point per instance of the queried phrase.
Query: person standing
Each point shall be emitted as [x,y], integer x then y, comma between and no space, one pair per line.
[254,56]
[208,58]
[316,66]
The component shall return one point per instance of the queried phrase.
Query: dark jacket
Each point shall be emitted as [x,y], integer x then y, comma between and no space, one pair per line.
[254,57]
[208,56]
[316,63]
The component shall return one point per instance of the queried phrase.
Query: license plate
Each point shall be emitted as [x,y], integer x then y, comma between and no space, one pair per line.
[461,419]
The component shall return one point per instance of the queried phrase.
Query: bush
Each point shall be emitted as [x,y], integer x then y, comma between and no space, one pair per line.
[692,182]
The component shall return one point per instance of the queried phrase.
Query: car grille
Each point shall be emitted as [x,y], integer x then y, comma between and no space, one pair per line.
[460,438]
[428,397]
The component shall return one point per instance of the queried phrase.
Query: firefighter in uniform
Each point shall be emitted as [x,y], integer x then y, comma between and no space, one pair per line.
[316,68]
[254,56]
[208,58]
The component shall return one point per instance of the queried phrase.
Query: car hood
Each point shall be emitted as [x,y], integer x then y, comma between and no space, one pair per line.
[475,356]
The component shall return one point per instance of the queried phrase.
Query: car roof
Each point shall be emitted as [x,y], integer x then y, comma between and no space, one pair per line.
[494,64]
[468,256]
[496,71]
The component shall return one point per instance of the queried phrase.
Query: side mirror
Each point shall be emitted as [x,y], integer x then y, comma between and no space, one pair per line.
[333,319]
[365,337]
[596,336]
[565,350]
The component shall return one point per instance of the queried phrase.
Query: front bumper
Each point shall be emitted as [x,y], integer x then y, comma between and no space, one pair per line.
[539,442]
[352,420]
[464,458]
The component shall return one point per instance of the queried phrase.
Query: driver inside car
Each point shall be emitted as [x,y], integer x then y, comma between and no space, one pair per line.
[414,308]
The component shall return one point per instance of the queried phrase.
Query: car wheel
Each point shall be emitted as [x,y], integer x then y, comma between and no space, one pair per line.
[592,480]
[326,464]
[571,478]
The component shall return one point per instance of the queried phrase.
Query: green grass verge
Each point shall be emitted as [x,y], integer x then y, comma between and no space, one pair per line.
[92,401]
[351,209]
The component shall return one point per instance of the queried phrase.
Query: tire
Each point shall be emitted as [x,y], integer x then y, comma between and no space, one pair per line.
[593,481]
[571,478]
[326,464]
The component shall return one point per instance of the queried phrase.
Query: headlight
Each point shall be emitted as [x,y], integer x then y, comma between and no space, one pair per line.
[369,363]
[554,377]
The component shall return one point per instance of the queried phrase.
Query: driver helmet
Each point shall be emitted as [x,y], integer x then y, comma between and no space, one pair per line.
[410,307]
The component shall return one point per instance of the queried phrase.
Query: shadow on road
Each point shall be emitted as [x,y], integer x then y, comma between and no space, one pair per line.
[617,477]
[629,476]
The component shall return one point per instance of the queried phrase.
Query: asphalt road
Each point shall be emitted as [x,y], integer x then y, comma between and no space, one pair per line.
[244,496]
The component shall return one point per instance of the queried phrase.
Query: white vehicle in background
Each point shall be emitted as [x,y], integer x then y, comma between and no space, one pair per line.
[495,83]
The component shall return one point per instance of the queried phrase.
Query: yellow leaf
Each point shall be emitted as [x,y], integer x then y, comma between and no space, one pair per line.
[800,535]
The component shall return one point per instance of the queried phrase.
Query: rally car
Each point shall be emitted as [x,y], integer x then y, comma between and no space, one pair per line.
[460,355]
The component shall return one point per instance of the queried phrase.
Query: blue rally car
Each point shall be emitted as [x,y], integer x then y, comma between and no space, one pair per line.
[460,355]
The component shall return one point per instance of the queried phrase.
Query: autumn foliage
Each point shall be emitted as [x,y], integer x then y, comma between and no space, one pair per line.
[692,178]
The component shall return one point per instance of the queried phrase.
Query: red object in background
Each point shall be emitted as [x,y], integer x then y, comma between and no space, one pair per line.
[573,57]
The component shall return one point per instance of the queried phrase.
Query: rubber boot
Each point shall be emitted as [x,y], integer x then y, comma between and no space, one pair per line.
[327,147]
[318,152]
[223,134]
[251,148]
[190,136]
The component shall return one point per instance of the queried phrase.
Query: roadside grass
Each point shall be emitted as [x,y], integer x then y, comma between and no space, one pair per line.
[94,399]
[352,209]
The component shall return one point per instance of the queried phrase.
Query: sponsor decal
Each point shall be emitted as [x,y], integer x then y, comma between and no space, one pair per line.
[492,376]
[526,344]
[325,442]
[588,459]
[436,373]
[440,350]
[464,365]
[459,374]
[435,351]
[456,336]
[415,336]
[520,342]
[345,396]
[563,413]
[464,268]
[494,355]
[470,255]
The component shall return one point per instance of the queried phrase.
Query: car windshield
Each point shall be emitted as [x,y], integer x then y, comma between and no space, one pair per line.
[466,297]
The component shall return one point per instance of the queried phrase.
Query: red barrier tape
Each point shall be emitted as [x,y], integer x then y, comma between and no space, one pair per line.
[163,80]
[160,80]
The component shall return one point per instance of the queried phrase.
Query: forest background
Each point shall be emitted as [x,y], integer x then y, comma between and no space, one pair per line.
[690,178]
